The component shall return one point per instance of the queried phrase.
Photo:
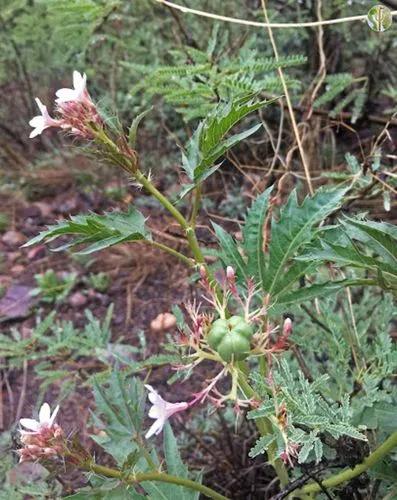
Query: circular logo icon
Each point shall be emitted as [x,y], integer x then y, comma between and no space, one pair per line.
[379,18]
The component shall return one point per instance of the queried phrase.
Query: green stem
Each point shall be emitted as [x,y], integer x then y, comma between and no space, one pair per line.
[264,426]
[348,474]
[171,251]
[132,167]
[196,205]
[153,476]
[190,234]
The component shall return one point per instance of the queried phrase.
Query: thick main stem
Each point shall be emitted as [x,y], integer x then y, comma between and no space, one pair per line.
[347,475]
[153,476]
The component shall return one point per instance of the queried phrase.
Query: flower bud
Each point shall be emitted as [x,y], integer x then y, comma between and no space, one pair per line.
[203,272]
[287,327]
[230,274]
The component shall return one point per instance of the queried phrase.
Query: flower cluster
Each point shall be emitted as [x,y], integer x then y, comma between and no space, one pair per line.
[43,439]
[77,113]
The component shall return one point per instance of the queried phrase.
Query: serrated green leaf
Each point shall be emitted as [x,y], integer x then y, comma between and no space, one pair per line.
[230,254]
[319,290]
[380,236]
[262,445]
[253,235]
[264,410]
[176,467]
[120,405]
[208,143]
[305,450]
[294,229]
[318,450]
[312,420]
[96,231]
[342,429]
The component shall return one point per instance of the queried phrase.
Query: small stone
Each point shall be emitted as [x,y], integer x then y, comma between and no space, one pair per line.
[163,322]
[45,208]
[78,300]
[13,238]
[37,252]
[14,256]
[32,211]
[17,269]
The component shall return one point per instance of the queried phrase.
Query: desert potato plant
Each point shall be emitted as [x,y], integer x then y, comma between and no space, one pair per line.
[290,318]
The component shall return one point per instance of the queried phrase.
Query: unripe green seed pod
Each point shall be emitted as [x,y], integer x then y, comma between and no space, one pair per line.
[231,338]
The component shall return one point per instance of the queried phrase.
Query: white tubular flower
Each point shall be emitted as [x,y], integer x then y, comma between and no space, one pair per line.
[43,121]
[46,420]
[161,411]
[78,93]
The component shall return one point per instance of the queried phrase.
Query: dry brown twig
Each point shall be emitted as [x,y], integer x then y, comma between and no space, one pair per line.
[289,102]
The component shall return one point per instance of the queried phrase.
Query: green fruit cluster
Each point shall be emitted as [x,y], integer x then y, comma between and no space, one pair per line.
[231,338]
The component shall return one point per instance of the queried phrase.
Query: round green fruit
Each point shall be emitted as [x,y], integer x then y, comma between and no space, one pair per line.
[231,338]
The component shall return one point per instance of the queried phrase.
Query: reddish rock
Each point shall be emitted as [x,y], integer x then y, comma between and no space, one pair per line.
[13,238]
[37,252]
[17,269]
[77,300]
[45,208]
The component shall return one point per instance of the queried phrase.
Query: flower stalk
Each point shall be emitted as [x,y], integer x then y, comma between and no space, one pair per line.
[153,476]
[347,475]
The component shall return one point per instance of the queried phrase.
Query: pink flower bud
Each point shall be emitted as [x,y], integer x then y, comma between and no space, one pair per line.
[230,274]
[287,327]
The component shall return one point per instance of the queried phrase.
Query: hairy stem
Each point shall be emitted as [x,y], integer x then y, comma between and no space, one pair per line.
[189,231]
[348,474]
[131,166]
[153,476]
[186,260]
[196,205]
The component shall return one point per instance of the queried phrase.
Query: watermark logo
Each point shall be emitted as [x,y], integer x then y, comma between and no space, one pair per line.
[379,18]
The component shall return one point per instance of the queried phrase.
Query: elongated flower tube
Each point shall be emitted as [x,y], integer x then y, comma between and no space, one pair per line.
[42,121]
[161,411]
[76,111]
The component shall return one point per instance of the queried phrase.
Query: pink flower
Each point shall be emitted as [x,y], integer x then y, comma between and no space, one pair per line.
[46,420]
[44,438]
[43,121]
[78,93]
[161,411]
[79,114]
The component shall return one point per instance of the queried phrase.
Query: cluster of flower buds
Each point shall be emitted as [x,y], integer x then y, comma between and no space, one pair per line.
[43,439]
[77,113]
